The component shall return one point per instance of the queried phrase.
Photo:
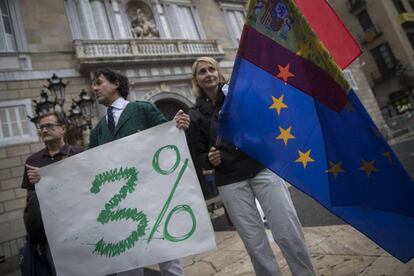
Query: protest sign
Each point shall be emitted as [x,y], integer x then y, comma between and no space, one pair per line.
[129,203]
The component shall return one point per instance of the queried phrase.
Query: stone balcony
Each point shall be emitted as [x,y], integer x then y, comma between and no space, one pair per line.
[97,53]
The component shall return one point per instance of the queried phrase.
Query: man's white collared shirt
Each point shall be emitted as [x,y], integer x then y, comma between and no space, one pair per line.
[118,107]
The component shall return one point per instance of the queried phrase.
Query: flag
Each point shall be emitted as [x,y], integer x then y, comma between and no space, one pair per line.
[330,30]
[290,108]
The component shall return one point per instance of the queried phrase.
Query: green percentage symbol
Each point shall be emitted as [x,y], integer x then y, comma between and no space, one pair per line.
[178,208]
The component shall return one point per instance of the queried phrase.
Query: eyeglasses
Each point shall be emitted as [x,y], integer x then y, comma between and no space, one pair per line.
[47,126]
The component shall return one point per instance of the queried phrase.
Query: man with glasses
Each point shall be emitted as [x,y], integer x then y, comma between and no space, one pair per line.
[52,131]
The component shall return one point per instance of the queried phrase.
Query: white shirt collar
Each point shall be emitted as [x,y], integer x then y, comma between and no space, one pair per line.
[120,103]
[118,107]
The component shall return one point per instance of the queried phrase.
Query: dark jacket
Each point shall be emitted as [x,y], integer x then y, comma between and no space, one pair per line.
[235,166]
[31,216]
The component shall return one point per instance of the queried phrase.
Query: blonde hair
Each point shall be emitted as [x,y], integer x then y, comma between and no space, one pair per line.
[197,91]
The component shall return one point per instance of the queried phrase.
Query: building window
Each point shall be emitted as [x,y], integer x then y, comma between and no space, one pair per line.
[15,127]
[97,19]
[100,19]
[188,27]
[385,59]
[350,78]
[120,20]
[111,19]
[365,20]
[355,4]
[399,6]
[7,42]
[235,20]
[12,37]
[411,38]
[163,21]
[234,16]
[183,20]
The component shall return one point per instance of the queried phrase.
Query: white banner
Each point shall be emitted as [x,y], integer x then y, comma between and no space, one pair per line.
[126,204]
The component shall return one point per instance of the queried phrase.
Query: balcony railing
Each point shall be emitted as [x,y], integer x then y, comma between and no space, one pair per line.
[407,19]
[369,35]
[142,51]
[354,5]
[402,123]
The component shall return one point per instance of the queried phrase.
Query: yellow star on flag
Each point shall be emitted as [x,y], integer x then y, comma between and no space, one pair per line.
[387,155]
[304,158]
[368,167]
[278,104]
[284,72]
[335,168]
[285,135]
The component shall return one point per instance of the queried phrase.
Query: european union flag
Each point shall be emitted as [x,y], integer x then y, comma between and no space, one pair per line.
[290,108]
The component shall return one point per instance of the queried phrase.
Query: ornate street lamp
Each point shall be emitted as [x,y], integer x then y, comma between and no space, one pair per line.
[79,117]
[85,103]
[57,87]
[44,105]
[75,117]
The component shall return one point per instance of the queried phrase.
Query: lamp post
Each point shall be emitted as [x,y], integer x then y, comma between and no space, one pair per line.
[44,105]
[77,120]
[57,87]
[85,103]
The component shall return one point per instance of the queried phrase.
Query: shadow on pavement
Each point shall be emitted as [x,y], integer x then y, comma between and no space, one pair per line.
[310,212]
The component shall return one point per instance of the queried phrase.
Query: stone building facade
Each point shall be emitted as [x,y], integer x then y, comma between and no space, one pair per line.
[153,42]
[385,31]
[359,83]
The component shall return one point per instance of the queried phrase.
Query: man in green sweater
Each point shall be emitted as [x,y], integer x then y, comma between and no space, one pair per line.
[122,119]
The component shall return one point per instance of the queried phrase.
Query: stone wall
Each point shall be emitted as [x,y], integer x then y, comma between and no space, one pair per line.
[46,26]
[212,18]
[12,160]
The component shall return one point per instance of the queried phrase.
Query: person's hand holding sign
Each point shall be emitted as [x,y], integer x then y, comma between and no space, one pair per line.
[182,120]
[33,174]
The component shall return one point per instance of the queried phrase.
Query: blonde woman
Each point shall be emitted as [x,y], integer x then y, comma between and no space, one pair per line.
[240,180]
